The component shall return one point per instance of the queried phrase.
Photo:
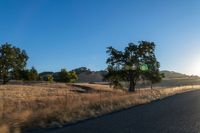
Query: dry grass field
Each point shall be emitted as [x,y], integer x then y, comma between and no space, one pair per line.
[49,105]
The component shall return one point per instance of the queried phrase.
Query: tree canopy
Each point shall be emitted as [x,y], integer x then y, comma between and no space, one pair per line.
[65,76]
[132,64]
[11,59]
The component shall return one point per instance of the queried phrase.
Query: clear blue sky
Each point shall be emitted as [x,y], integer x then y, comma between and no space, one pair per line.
[72,33]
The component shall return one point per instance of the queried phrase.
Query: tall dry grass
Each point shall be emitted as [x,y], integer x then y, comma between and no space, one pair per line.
[43,105]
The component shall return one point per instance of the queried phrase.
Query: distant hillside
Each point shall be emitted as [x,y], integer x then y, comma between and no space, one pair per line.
[86,75]
[171,78]
[98,76]
[93,76]
[172,74]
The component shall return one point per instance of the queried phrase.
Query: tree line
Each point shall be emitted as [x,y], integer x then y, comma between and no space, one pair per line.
[136,62]
[13,62]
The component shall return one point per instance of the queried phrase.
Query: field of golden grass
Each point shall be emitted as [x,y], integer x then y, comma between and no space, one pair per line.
[47,105]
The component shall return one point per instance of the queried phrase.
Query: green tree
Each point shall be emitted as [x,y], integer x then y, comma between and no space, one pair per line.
[73,77]
[64,76]
[132,63]
[29,74]
[44,75]
[114,77]
[11,59]
[32,74]
[50,78]
[24,74]
[17,74]
[153,75]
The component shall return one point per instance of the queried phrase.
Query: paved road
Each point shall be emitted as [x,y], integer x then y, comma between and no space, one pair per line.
[176,114]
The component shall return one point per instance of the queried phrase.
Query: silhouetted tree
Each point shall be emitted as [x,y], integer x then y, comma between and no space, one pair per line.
[17,74]
[154,77]
[25,74]
[12,59]
[132,63]
[29,74]
[33,74]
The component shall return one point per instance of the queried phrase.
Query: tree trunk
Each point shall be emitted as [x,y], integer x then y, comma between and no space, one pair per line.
[4,80]
[132,86]
[151,86]
[4,76]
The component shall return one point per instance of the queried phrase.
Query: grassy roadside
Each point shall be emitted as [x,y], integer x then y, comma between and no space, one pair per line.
[25,107]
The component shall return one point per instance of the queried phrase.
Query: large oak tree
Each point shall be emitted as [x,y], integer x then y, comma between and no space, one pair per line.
[132,64]
[11,59]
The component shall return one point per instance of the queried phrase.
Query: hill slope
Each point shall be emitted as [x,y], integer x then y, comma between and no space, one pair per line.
[172,74]
[97,76]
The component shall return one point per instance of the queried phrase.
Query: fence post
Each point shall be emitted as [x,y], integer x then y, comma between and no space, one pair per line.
[111,100]
[100,95]
[66,98]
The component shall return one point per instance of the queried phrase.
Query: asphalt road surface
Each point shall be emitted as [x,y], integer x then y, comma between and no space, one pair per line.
[175,114]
